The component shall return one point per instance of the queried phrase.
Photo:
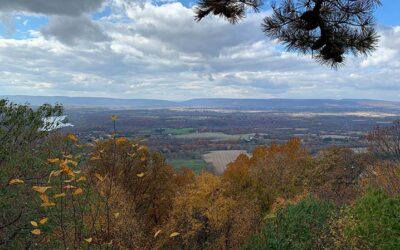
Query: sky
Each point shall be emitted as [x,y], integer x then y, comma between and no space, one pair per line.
[155,49]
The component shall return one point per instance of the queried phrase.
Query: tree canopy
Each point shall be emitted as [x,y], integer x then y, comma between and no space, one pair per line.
[327,29]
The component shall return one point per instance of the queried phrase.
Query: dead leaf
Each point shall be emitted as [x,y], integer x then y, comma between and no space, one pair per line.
[157,233]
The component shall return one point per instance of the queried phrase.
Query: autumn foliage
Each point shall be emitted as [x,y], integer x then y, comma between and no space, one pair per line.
[117,193]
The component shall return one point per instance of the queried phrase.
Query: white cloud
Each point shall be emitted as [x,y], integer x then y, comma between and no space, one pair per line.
[159,51]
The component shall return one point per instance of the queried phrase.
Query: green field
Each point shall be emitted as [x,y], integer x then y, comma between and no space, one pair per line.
[196,165]
[179,131]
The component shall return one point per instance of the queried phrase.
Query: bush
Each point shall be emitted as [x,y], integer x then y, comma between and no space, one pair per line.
[373,222]
[299,226]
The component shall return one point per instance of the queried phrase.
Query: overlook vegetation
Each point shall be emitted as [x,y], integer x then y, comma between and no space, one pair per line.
[58,192]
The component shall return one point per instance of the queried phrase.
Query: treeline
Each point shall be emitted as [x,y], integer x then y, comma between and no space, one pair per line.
[59,193]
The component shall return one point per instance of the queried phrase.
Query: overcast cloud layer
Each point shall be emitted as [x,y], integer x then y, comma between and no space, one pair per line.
[153,50]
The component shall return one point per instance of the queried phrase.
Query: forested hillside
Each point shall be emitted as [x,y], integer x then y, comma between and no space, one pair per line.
[58,192]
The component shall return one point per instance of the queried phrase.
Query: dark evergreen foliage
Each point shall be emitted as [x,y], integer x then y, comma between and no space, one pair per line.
[327,29]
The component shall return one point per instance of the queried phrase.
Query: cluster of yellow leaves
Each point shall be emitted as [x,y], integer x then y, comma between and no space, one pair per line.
[72,137]
[99,177]
[121,140]
[46,201]
[37,231]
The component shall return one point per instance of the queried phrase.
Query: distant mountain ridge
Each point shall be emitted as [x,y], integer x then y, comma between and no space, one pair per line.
[215,103]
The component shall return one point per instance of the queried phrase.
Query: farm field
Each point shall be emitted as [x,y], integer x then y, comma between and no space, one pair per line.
[220,158]
[196,165]
[214,135]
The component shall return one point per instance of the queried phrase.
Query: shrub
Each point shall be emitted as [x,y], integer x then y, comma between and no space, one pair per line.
[298,226]
[373,222]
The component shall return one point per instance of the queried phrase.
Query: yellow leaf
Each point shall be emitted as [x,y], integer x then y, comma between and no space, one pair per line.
[116,215]
[34,223]
[94,158]
[15,182]
[98,176]
[114,117]
[72,137]
[44,198]
[89,240]
[74,163]
[40,189]
[69,187]
[69,181]
[54,173]
[67,170]
[174,234]
[36,232]
[59,195]
[121,140]
[53,160]
[157,233]
[78,191]
[140,175]
[43,221]
[143,158]
[82,178]
[48,204]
